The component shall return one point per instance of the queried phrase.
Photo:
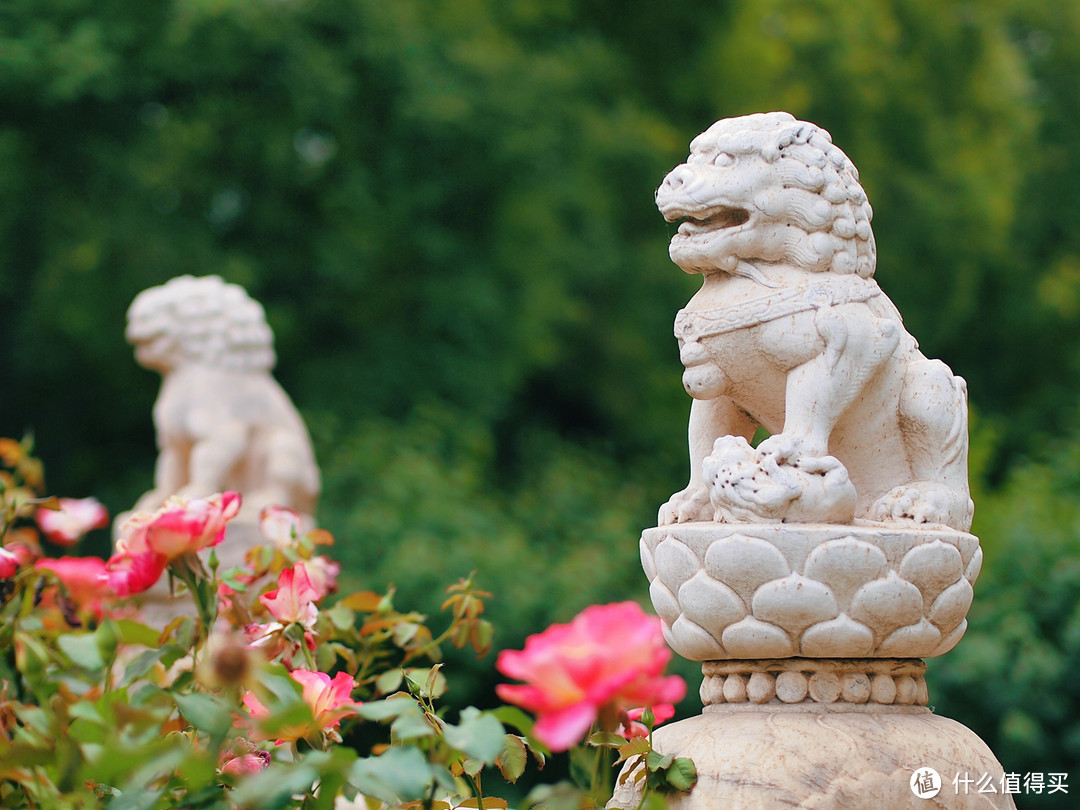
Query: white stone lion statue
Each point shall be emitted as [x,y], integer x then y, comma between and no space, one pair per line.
[790,332]
[222,420]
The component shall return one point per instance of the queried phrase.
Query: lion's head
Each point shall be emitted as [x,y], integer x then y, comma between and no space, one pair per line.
[199,320]
[767,188]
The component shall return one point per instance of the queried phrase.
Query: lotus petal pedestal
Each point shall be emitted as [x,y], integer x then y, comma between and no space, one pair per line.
[812,638]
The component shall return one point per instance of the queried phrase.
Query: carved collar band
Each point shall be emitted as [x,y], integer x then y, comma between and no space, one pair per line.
[829,291]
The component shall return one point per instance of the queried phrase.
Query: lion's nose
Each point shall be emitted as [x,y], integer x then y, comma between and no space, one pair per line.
[675,180]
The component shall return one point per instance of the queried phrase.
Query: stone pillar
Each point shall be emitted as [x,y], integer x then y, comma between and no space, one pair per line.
[810,574]
[812,640]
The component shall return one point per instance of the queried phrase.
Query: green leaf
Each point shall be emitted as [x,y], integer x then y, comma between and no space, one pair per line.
[287,716]
[325,658]
[411,726]
[404,632]
[427,682]
[682,775]
[513,758]
[389,681]
[185,632]
[606,739]
[655,761]
[144,662]
[277,681]
[515,718]
[205,712]
[340,616]
[140,665]
[131,632]
[478,735]
[388,709]
[107,640]
[142,768]
[400,775]
[636,747]
[82,649]
[136,799]
[560,796]
[85,710]
[86,731]
[333,773]
[273,788]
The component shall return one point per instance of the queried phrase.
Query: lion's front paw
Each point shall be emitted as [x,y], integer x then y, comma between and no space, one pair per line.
[685,506]
[921,502]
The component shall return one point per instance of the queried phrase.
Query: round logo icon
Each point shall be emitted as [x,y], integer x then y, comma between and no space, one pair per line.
[925,783]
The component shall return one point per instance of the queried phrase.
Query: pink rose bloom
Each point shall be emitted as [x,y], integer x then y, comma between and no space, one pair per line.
[129,574]
[242,758]
[74,518]
[83,577]
[294,598]
[25,548]
[9,563]
[322,572]
[330,702]
[609,658]
[633,728]
[281,524]
[179,527]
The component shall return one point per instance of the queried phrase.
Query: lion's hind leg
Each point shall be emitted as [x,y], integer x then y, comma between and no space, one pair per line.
[933,421]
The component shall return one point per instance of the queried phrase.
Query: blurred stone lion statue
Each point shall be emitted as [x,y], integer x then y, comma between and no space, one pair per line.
[222,420]
[790,332]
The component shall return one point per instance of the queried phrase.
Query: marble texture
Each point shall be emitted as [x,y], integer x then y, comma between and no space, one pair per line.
[823,758]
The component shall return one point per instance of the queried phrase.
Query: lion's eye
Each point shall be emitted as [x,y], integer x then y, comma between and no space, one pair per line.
[723,159]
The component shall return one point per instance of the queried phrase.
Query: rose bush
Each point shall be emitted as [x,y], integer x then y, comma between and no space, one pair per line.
[250,697]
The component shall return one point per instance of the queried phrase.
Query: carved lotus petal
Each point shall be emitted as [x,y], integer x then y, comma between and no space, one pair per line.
[842,637]
[951,640]
[975,566]
[675,563]
[709,603]
[951,607]
[664,602]
[692,641]
[794,603]
[647,561]
[751,638]
[887,603]
[745,563]
[932,567]
[913,641]
[845,565]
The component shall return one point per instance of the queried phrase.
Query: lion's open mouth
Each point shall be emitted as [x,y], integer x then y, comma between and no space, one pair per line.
[717,219]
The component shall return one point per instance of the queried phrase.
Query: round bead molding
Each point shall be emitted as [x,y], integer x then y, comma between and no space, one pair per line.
[740,591]
[888,682]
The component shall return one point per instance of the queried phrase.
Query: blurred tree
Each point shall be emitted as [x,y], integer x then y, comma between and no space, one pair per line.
[1012,677]
[445,206]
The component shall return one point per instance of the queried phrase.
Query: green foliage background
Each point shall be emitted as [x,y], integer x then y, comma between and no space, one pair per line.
[446,208]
